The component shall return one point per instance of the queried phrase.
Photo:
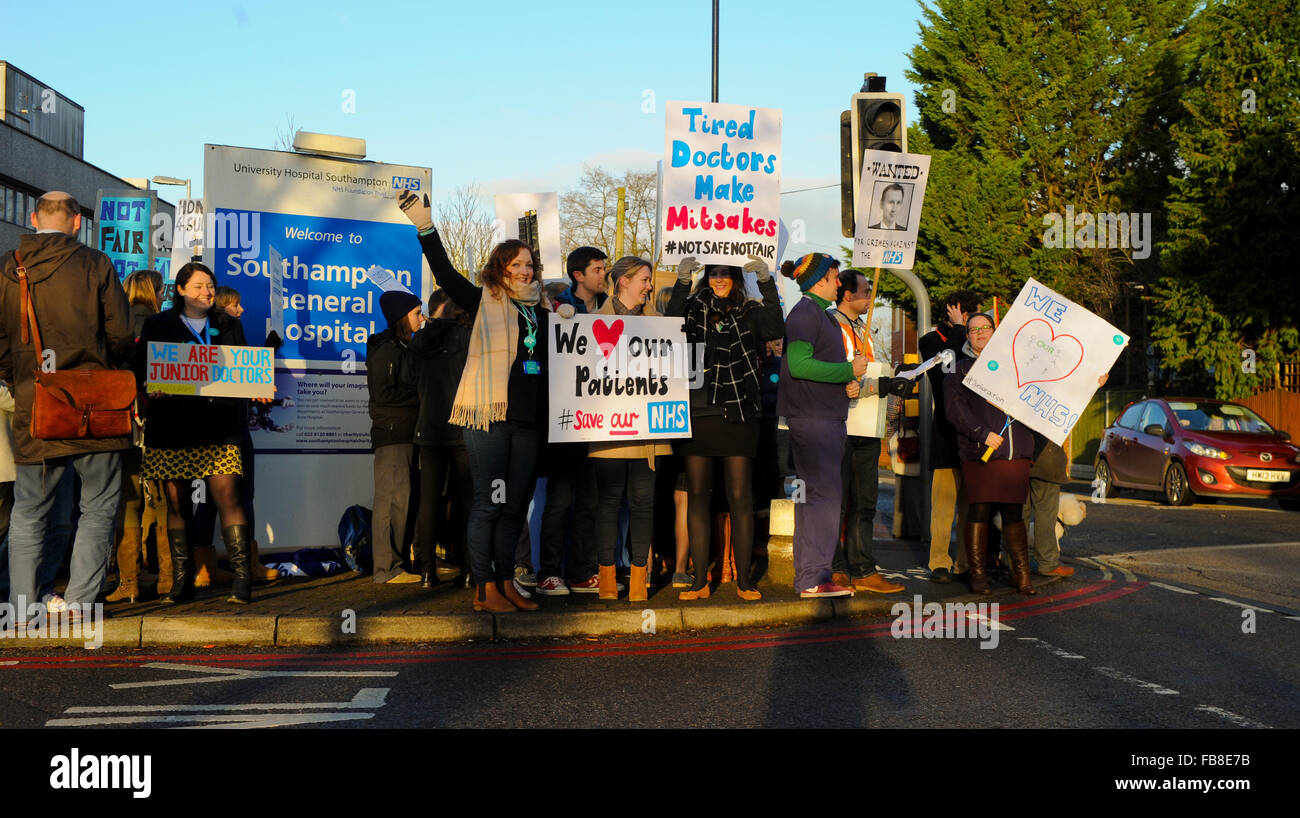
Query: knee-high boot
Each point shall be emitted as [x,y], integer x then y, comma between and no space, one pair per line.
[182,589]
[238,551]
[128,567]
[1016,536]
[164,560]
[977,545]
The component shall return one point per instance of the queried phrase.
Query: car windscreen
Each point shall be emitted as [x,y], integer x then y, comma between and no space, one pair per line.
[1218,417]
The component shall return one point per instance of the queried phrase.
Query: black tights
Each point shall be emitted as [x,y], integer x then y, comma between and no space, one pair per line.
[738,472]
[222,490]
[983,513]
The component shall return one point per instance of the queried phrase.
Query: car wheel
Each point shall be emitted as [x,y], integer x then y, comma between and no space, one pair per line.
[1102,473]
[1177,490]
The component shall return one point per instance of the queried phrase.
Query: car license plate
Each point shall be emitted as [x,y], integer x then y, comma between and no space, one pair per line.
[1267,476]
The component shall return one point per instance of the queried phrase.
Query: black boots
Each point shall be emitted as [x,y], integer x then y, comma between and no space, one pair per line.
[238,545]
[182,567]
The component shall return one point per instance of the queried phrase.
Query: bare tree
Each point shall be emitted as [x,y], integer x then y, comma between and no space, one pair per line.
[284,138]
[589,212]
[467,229]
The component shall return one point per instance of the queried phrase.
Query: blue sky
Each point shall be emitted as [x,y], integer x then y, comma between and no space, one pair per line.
[513,95]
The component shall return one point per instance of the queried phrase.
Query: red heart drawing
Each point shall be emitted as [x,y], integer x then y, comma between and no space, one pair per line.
[1035,357]
[607,336]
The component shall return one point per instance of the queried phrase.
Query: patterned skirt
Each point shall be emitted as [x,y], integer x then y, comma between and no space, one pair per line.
[192,463]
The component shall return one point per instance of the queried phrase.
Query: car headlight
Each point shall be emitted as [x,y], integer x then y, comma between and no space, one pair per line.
[1207,451]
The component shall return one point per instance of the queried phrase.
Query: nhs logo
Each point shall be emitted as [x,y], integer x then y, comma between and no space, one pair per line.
[669,416]
[892,257]
[406,183]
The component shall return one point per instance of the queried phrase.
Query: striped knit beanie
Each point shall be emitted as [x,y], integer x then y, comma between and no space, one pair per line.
[812,268]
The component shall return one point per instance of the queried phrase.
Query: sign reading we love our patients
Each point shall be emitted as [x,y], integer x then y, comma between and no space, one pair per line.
[618,378]
[721,197]
[210,370]
[1042,364]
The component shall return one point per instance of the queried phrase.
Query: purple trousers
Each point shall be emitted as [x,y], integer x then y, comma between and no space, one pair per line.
[818,448]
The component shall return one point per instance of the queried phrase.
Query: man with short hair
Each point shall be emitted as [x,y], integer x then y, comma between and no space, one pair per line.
[946,495]
[891,200]
[569,476]
[84,321]
[855,563]
[586,291]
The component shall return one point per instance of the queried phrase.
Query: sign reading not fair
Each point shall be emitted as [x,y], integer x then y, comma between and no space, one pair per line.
[1042,364]
[615,379]
[211,371]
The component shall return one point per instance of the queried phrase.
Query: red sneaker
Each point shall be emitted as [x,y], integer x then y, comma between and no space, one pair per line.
[590,585]
[826,589]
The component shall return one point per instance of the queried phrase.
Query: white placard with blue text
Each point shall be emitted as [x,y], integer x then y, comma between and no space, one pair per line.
[1042,364]
[721,197]
[888,213]
[618,379]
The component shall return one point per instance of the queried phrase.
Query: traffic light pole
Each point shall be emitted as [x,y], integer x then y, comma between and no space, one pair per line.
[927,412]
[715,50]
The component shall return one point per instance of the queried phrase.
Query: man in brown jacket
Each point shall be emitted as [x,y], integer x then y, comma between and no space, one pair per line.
[84,322]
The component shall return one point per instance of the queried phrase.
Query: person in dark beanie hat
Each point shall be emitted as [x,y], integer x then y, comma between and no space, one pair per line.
[394,409]
[815,388]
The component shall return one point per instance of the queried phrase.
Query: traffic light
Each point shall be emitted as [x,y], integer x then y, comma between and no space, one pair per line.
[528,235]
[876,120]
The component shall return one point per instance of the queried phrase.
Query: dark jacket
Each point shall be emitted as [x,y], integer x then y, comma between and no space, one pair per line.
[943,440]
[763,320]
[182,421]
[440,349]
[1050,461]
[394,399]
[579,306]
[139,314]
[84,318]
[973,418]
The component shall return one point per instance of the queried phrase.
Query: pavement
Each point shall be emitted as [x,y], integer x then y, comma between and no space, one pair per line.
[350,609]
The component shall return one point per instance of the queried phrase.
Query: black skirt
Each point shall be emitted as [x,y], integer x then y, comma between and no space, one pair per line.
[712,436]
[997,481]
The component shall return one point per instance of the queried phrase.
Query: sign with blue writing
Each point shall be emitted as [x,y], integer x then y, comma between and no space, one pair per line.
[721,197]
[330,305]
[616,379]
[888,209]
[209,370]
[1044,361]
[123,220]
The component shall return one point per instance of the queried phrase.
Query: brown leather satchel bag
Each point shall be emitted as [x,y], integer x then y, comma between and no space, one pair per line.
[76,403]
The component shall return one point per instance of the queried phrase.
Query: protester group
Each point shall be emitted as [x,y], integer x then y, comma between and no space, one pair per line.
[458,403]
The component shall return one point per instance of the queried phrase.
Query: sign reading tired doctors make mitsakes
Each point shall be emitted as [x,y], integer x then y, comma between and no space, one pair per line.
[721,197]
[209,370]
[618,378]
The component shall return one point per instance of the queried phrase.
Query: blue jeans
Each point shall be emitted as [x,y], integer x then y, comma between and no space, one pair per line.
[36,494]
[502,462]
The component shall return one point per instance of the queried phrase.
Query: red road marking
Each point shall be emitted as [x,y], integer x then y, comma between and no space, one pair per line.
[1055,603]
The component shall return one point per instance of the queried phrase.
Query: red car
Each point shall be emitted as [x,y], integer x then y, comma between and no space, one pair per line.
[1192,447]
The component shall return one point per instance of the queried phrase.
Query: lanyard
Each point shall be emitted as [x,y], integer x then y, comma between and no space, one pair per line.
[202,339]
[530,320]
[859,346]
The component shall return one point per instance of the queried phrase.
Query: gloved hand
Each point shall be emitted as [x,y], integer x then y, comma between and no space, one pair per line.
[759,267]
[273,340]
[687,269]
[565,311]
[899,387]
[417,209]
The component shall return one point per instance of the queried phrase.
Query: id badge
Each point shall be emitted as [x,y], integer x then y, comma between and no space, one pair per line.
[532,368]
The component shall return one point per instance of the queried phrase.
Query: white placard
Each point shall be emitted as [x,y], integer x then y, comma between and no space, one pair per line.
[616,379]
[722,183]
[888,211]
[187,240]
[1042,364]
[867,415]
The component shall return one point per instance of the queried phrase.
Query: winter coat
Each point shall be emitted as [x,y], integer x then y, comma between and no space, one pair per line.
[83,316]
[186,421]
[440,349]
[973,417]
[394,396]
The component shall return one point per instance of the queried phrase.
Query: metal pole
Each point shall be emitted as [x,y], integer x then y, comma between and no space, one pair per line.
[927,398]
[715,50]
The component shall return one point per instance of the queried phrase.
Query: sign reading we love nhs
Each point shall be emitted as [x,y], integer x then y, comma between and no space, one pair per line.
[616,379]
[1042,364]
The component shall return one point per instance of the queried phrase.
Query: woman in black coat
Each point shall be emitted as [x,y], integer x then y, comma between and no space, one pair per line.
[190,438]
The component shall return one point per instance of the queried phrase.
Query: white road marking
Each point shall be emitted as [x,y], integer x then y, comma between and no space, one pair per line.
[1173,588]
[1240,604]
[1240,721]
[1060,653]
[367,697]
[1105,571]
[230,722]
[228,674]
[1124,677]
[1129,576]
